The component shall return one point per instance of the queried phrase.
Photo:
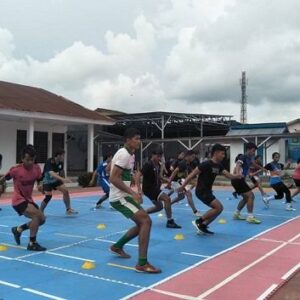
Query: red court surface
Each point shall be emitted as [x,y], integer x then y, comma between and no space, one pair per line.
[251,270]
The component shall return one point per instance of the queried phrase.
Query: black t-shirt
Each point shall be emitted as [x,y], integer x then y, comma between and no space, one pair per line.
[184,168]
[51,165]
[209,171]
[195,163]
[151,176]
[273,166]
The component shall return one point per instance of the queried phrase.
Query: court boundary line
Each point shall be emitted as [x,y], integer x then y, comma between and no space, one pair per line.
[208,259]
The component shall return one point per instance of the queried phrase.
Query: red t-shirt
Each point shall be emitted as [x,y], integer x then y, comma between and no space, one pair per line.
[24,180]
[296,174]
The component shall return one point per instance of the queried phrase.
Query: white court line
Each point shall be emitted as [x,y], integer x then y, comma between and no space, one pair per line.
[178,296]
[10,284]
[71,245]
[205,260]
[113,242]
[6,257]
[267,292]
[3,225]
[69,256]
[43,294]
[79,273]
[194,254]
[71,235]
[14,246]
[290,272]
[275,241]
[249,266]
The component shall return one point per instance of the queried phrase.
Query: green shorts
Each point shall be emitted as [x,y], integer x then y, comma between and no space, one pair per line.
[126,206]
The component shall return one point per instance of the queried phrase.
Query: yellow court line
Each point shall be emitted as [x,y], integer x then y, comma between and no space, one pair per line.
[121,266]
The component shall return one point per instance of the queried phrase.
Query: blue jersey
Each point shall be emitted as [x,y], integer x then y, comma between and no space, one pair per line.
[245,162]
[102,172]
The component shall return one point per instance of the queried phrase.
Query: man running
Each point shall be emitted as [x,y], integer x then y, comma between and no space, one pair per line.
[183,168]
[275,168]
[24,176]
[127,202]
[102,174]
[151,187]
[207,173]
[242,188]
[54,180]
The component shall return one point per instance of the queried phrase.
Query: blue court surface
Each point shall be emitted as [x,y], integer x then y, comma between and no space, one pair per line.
[73,241]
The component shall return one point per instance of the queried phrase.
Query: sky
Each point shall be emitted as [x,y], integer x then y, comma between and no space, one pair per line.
[158,55]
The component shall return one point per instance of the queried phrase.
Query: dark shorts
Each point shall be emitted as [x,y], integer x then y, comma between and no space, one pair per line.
[206,196]
[240,186]
[297,182]
[254,179]
[20,208]
[52,186]
[153,194]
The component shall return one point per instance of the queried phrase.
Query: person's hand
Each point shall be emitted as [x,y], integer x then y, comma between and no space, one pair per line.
[67,180]
[169,185]
[181,190]
[137,197]
[40,188]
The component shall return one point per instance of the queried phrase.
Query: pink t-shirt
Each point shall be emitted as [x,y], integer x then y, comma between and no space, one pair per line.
[296,174]
[24,180]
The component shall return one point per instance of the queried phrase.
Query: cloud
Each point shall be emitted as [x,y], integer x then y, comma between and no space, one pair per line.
[181,55]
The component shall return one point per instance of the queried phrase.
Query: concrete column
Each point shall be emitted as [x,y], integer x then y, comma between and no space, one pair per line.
[90,142]
[30,132]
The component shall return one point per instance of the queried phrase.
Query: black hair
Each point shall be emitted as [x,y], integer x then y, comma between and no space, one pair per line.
[217,147]
[238,157]
[130,133]
[107,155]
[59,152]
[28,149]
[251,146]
[157,151]
[1,157]
[298,160]
[189,152]
[274,154]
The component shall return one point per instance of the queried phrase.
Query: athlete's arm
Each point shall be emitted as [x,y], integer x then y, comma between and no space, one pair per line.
[231,176]
[191,176]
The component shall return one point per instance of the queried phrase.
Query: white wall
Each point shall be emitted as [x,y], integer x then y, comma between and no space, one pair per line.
[8,138]
[278,146]
[294,127]
[236,147]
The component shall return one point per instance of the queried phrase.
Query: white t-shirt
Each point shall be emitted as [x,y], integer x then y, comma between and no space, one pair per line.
[125,161]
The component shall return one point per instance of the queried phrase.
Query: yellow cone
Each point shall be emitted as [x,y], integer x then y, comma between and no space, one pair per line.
[222,221]
[101,226]
[88,265]
[179,237]
[3,248]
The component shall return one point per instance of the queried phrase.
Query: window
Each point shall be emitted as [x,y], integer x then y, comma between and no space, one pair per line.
[58,141]
[21,143]
[41,146]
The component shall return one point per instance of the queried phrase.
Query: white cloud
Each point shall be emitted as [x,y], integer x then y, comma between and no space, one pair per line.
[182,55]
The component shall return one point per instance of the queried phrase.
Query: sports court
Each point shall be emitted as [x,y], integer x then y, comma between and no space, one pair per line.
[259,258]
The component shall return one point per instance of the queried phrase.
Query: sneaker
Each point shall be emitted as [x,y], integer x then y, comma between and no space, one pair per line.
[237,216]
[201,228]
[265,200]
[118,251]
[172,224]
[235,195]
[253,220]
[35,247]
[197,214]
[147,268]
[98,206]
[17,235]
[289,207]
[71,212]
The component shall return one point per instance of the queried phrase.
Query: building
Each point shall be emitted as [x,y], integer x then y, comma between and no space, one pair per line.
[30,115]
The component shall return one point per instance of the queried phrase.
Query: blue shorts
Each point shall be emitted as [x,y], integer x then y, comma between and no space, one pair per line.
[104,183]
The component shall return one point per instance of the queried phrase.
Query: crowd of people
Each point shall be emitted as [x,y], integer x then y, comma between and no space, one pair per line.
[164,184]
